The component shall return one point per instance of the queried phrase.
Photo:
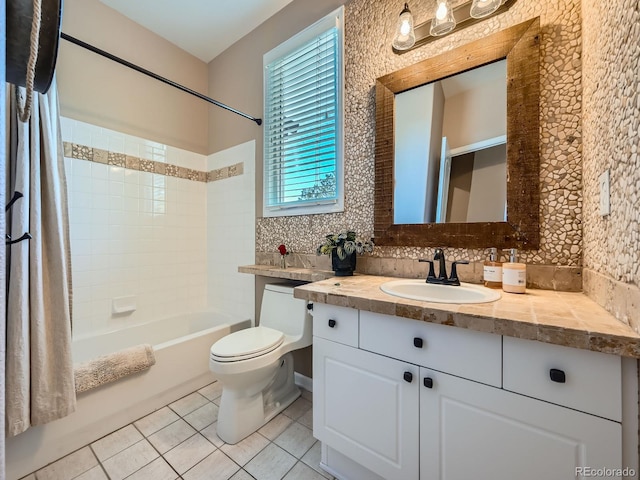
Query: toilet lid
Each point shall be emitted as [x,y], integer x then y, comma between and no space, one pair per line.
[247,343]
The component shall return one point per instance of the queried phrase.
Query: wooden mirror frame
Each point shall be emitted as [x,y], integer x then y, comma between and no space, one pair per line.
[520,45]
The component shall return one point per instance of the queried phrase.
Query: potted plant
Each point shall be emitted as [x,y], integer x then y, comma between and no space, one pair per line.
[343,248]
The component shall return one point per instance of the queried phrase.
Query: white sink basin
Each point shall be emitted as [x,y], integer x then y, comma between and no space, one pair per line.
[427,292]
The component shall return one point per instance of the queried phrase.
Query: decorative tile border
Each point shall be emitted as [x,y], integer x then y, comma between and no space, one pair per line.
[226,172]
[98,155]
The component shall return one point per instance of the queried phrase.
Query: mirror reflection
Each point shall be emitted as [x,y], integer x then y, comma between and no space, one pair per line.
[450,149]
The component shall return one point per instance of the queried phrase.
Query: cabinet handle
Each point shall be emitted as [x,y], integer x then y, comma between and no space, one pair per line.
[408,377]
[418,342]
[557,376]
[428,382]
[332,323]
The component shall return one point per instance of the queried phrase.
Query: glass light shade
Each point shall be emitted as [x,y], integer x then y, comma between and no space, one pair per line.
[405,37]
[484,8]
[443,21]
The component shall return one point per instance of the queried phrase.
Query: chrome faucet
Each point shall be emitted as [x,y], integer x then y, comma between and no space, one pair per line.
[442,278]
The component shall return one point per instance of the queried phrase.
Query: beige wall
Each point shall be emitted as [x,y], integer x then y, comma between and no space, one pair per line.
[101,92]
[236,78]
[611,118]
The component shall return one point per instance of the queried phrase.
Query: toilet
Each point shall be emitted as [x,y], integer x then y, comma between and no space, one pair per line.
[255,365]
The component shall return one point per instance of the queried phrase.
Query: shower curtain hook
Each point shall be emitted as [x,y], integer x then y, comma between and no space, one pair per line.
[25,236]
[16,196]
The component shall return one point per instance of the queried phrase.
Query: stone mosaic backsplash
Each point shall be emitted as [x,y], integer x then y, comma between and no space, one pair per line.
[546,277]
[369,28]
[611,119]
[98,155]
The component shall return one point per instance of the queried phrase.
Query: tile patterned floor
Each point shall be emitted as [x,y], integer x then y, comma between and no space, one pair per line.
[179,441]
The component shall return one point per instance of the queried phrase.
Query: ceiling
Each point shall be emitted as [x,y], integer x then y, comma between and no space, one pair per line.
[204,28]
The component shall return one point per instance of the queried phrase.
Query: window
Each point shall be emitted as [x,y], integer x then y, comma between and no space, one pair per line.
[303,139]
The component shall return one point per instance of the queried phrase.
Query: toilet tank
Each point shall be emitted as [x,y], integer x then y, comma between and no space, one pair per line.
[280,311]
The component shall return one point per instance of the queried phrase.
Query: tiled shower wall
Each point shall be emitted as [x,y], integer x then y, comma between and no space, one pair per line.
[133,233]
[231,233]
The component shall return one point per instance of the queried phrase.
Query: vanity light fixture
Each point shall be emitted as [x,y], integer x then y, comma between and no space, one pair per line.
[405,37]
[445,20]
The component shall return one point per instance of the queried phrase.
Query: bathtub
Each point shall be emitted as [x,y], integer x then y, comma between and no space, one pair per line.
[181,346]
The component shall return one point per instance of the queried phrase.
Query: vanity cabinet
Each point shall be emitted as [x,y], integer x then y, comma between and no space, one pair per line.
[412,400]
[470,430]
[367,408]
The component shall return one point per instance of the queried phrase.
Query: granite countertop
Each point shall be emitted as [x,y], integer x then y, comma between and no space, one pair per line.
[563,318]
[289,273]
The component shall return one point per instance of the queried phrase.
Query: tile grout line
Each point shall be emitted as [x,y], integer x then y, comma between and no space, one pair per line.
[97,459]
[144,437]
[35,473]
[198,432]
[202,460]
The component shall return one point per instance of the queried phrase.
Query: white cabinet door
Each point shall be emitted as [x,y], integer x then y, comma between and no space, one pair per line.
[365,406]
[473,431]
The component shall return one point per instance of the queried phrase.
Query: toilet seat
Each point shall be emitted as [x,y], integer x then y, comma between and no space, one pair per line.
[246,344]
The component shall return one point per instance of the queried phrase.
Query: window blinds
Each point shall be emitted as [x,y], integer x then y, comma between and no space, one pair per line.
[301,125]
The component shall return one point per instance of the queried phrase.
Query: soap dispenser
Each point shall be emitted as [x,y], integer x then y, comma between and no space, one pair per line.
[514,274]
[492,270]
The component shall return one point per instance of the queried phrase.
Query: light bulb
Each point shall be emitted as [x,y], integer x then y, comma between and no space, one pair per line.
[441,12]
[405,28]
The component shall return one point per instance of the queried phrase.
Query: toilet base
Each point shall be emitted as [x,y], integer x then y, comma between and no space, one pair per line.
[241,414]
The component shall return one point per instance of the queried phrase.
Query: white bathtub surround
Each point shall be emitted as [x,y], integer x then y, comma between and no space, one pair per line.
[114,366]
[134,233]
[180,368]
[231,230]
[39,367]
[159,241]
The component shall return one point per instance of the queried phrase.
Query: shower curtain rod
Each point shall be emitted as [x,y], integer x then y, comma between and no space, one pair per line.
[137,68]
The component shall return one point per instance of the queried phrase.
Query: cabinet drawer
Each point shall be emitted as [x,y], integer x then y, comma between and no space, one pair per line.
[592,380]
[339,324]
[465,353]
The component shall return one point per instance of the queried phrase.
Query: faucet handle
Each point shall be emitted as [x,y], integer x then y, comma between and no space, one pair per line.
[432,273]
[453,278]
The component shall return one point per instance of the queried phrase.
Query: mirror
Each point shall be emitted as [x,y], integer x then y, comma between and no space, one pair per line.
[450,158]
[443,206]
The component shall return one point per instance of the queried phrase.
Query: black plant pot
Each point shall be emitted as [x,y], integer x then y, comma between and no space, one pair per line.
[343,268]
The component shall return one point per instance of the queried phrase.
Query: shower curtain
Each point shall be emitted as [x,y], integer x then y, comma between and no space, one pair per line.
[39,367]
